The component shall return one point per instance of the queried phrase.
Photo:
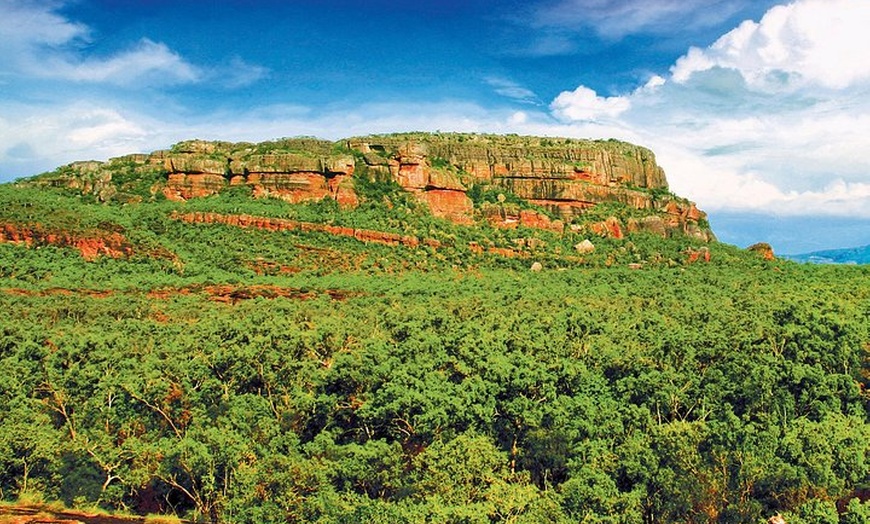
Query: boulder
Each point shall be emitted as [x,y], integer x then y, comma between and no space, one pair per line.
[610,228]
[654,224]
[585,248]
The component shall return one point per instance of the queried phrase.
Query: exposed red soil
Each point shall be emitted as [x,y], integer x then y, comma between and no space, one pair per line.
[225,293]
[43,515]
[232,294]
[93,293]
[696,255]
[505,252]
[609,228]
[267,267]
[497,217]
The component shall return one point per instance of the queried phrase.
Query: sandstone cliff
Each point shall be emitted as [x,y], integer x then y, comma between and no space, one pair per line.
[572,180]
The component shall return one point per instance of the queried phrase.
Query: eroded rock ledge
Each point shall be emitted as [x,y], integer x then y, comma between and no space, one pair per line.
[567,177]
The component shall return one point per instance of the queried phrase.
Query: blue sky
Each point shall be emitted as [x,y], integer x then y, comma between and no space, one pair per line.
[758,110]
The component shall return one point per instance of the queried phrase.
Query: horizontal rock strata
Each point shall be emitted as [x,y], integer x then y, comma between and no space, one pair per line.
[566,177]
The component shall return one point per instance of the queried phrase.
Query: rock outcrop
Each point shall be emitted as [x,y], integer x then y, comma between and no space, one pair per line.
[410,164]
[91,245]
[283,224]
[762,249]
[523,250]
[292,170]
[567,175]
[567,178]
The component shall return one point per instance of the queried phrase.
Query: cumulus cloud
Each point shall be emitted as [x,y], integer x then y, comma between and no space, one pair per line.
[585,104]
[772,117]
[821,42]
[726,184]
[40,140]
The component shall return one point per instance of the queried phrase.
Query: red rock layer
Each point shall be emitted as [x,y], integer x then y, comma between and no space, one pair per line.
[504,218]
[283,224]
[91,246]
[363,235]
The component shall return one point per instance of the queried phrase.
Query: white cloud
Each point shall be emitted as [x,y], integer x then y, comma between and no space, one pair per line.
[807,161]
[38,43]
[239,73]
[151,61]
[724,185]
[42,139]
[510,89]
[773,117]
[585,104]
[547,45]
[823,42]
[617,18]
[518,118]
[31,23]
[653,83]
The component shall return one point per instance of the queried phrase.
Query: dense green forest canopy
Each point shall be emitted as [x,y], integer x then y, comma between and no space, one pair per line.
[243,375]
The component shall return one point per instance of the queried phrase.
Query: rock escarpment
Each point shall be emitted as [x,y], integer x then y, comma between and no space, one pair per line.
[566,174]
[295,170]
[570,180]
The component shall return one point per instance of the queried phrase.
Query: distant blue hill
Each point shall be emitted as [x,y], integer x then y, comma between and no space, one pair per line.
[854,255]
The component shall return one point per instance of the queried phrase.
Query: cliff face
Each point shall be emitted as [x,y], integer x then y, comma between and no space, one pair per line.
[567,177]
[293,170]
[557,172]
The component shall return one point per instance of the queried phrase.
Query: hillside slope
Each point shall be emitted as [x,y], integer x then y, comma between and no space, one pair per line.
[314,345]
